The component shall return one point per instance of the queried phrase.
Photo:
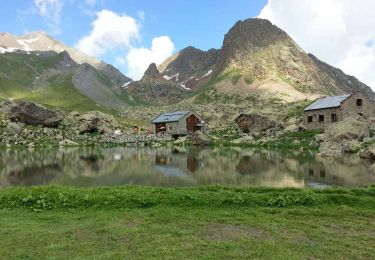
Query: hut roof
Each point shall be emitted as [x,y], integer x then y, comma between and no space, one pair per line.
[327,102]
[169,117]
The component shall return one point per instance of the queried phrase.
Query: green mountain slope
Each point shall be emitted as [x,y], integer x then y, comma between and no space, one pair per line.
[56,80]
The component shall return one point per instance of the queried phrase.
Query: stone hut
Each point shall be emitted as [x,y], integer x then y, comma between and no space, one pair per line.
[328,110]
[179,123]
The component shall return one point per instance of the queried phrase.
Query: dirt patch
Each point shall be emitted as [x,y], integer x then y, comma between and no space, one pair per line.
[133,223]
[80,234]
[268,88]
[228,232]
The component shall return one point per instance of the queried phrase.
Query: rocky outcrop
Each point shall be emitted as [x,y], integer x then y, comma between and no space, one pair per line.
[154,89]
[152,72]
[89,81]
[368,153]
[191,67]
[200,139]
[347,83]
[32,114]
[343,137]
[254,123]
[90,122]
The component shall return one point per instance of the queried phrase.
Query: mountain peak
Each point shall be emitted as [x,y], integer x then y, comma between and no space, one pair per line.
[152,72]
[248,37]
[259,32]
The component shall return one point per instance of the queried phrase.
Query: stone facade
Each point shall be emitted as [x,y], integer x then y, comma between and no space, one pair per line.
[355,104]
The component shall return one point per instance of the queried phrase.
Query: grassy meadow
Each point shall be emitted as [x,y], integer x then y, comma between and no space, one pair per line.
[186,223]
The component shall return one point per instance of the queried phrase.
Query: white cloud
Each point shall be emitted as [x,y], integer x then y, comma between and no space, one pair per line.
[113,33]
[138,59]
[339,32]
[51,11]
[109,31]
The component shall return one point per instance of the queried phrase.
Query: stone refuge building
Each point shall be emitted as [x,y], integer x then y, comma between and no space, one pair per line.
[179,123]
[328,110]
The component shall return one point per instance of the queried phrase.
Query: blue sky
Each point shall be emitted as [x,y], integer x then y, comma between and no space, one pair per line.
[186,22]
[130,34]
[197,23]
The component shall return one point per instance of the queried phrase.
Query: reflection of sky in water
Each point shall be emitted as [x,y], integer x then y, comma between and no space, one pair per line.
[88,166]
[170,171]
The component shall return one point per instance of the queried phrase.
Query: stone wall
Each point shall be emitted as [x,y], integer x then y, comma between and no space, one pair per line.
[327,113]
[350,108]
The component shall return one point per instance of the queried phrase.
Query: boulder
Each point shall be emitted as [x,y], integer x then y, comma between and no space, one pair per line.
[6,105]
[343,137]
[200,139]
[31,113]
[254,123]
[352,128]
[368,153]
[14,128]
[91,122]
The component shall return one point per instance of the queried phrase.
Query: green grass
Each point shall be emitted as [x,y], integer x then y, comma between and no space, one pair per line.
[295,110]
[52,198]
[288,141]
[61,93]
[208,93]
[189,223]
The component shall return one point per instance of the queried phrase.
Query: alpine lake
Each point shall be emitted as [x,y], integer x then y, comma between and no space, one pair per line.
[178,167]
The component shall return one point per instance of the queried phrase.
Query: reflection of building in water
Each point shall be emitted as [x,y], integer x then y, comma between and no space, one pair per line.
[318,173]
[192,163]
[163,160]
[338,173]
[185,162]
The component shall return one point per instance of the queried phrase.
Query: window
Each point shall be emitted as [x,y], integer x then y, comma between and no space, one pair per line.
[333,118]
[359,102]
[170,128]
[321,118]
[360,114]
[309,119]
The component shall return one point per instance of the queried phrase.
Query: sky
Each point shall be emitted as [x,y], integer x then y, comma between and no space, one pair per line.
[131,34]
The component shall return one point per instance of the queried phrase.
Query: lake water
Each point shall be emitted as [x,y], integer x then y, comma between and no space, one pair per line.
[90,166]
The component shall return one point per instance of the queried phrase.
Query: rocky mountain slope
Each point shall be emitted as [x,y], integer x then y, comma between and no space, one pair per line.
[259,61]
[154,89]
[190,67]
[346,82]
[42,42]
[56,79]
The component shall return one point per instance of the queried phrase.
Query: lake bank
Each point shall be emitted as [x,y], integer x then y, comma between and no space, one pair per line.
[54,197]
[211,222]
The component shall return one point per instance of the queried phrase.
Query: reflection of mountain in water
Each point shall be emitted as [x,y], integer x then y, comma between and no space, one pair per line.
[89,166]
[33,175]
[254,164]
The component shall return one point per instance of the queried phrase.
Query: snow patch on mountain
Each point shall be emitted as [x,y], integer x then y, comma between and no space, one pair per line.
[206,75]
[184,87]
[172,77]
